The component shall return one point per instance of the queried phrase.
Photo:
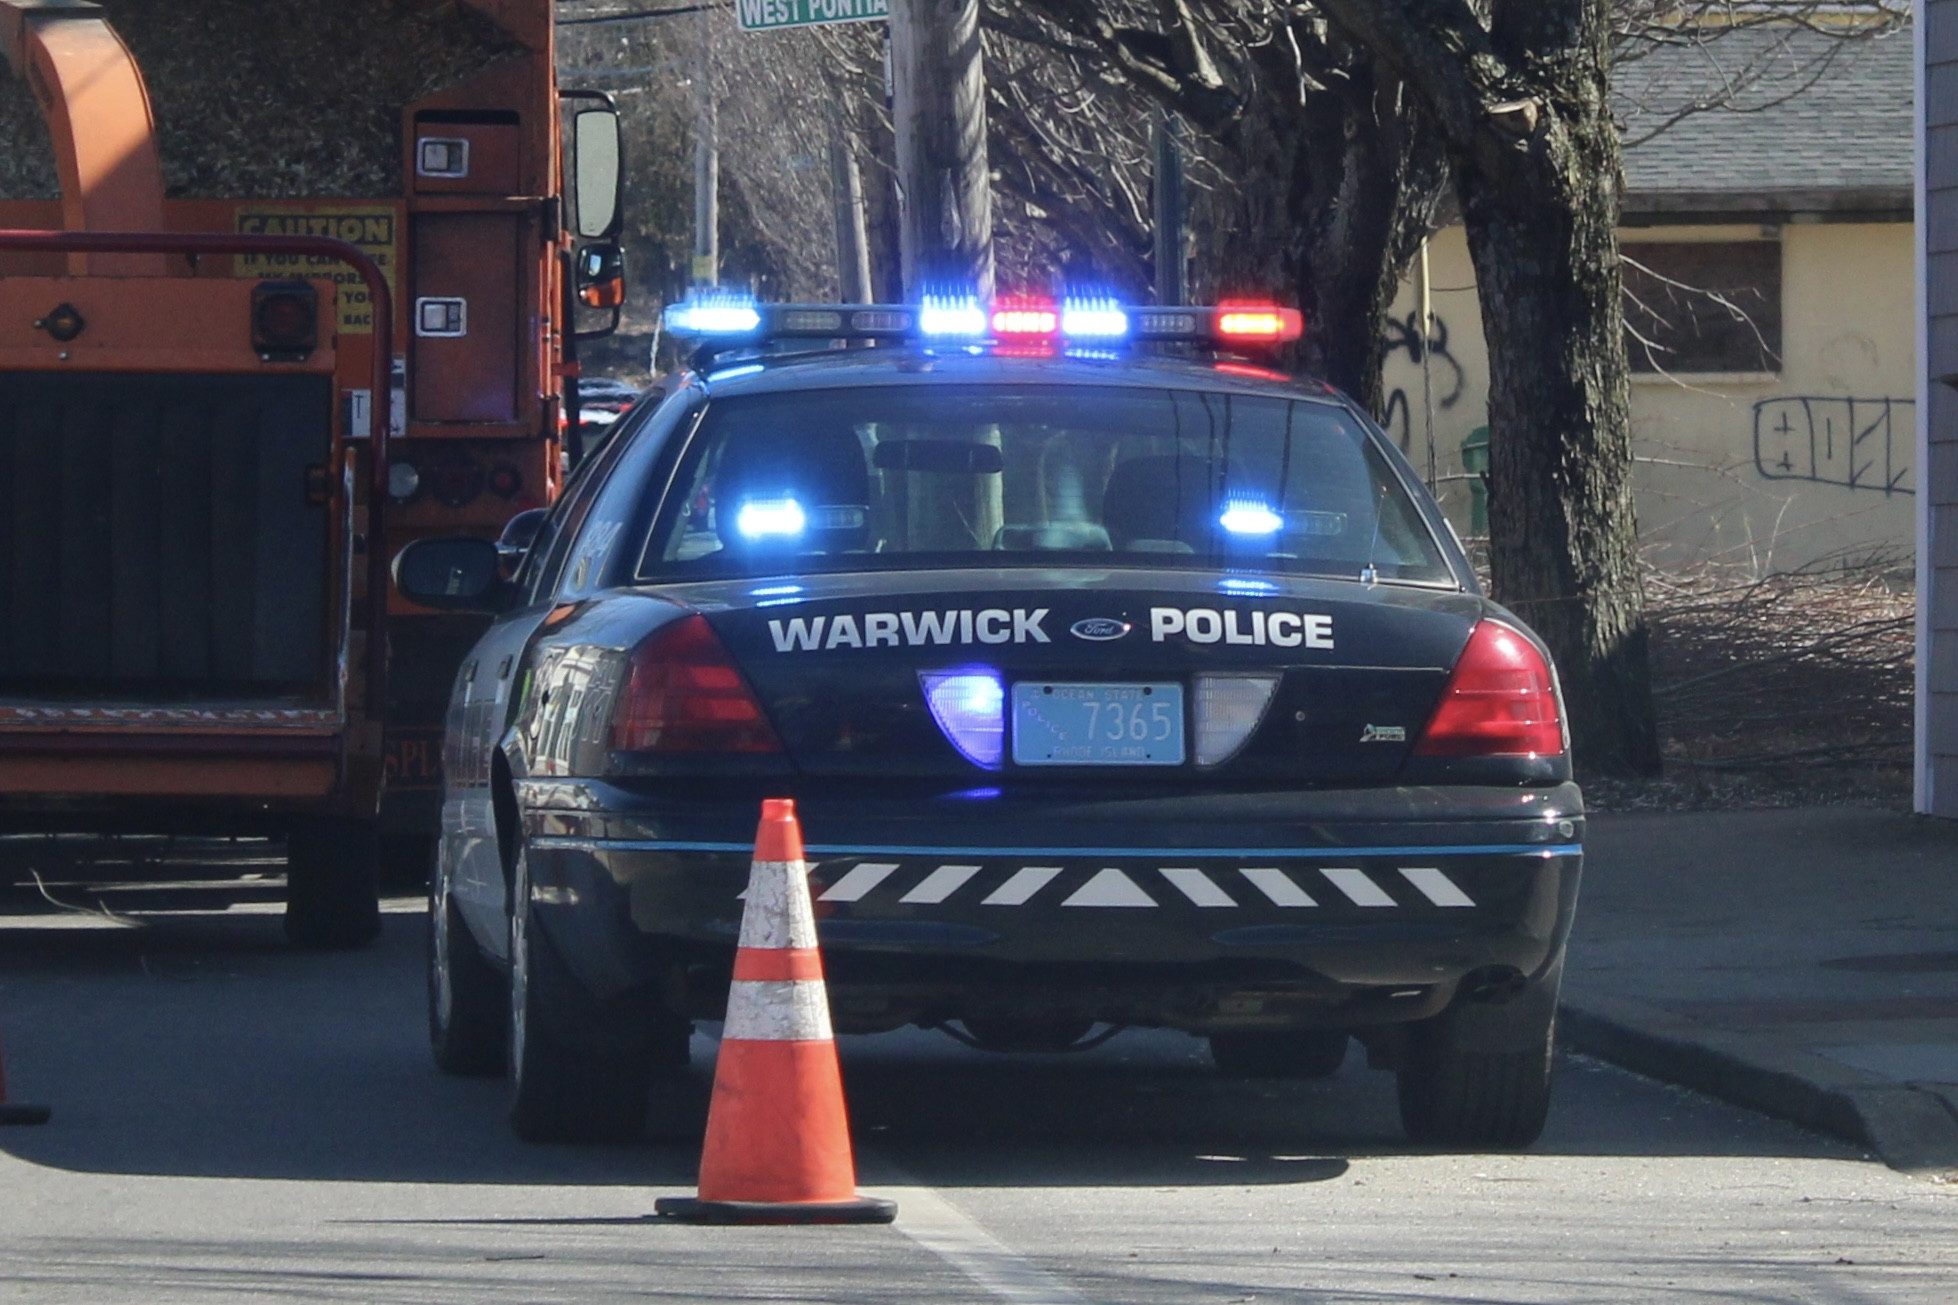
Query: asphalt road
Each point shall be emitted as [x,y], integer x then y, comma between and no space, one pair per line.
[234,1121]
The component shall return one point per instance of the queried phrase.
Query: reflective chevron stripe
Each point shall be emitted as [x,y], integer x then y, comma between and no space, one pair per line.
[935,884]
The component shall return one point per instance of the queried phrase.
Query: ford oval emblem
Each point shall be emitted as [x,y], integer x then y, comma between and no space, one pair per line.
[1099,629]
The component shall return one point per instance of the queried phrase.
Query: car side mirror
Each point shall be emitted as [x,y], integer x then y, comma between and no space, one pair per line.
[452,575]
[519,533]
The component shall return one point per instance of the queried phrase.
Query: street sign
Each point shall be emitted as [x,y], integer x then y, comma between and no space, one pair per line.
[767,15]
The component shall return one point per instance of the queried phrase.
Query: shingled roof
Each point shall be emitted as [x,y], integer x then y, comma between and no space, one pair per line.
[1816,125]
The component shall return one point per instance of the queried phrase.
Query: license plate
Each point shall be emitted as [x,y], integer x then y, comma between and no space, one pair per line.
[1097,724]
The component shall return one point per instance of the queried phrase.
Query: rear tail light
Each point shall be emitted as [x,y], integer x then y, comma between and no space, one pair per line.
[1500,702]
[685,694]
[285,321]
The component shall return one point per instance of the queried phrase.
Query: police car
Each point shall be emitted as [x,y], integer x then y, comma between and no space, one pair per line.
[1120,681]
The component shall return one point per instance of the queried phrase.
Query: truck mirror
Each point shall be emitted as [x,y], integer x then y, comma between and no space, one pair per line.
[456,575]
[601,275]
[596,166]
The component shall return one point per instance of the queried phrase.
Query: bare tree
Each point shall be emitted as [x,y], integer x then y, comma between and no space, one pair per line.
[1326,179]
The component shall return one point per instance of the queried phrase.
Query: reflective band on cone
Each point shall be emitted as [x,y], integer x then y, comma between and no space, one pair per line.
[18,1114]
[778,1140]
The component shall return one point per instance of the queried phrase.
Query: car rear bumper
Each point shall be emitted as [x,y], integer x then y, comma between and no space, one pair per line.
[1198,911]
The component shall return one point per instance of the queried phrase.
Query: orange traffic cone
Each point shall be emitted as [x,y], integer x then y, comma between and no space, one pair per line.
[19,1114]
[778,1143]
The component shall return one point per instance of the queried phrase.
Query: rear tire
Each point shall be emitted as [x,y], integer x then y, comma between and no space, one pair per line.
[468,997]
[1295,1053]
[333,893]
[1478,1074]
[561,1089]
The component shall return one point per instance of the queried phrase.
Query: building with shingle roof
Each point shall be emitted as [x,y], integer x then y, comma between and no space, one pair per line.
[1767,121]
[1767,236]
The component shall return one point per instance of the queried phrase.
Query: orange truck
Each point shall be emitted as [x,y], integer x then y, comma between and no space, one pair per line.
[222,413]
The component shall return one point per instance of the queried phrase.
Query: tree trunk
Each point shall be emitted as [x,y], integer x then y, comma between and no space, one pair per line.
[940,113]
[1524,104]
[1542,232]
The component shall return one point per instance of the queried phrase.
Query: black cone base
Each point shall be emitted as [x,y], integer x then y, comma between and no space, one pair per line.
[25,1114]
[690,1209]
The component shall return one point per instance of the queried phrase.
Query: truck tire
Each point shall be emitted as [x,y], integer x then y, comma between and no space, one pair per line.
[468,997]
[1295,1053]
[581,1070]
[1478,1074]
[333,895]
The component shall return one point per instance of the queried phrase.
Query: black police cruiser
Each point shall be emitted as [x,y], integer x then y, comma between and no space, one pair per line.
[1118,680]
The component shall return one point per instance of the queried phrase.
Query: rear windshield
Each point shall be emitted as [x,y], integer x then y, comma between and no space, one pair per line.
[913,477]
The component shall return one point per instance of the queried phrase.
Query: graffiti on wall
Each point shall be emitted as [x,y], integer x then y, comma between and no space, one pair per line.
[1397,417]
[1829,440]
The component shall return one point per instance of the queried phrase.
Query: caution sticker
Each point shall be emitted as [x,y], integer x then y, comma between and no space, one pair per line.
[370,227]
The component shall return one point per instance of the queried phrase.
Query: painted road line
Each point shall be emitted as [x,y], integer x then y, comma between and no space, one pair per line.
[949,1233]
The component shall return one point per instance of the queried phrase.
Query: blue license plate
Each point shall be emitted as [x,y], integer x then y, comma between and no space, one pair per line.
[1097,724]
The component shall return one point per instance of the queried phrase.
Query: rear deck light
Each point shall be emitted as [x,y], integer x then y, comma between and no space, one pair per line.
[1250,322]
[1250,516]
[970,708]
[685,694]
[1227,710]
[285,321]
[1501,701]
[771,518]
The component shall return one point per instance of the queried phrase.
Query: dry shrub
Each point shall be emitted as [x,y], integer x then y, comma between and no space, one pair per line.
[1781,689]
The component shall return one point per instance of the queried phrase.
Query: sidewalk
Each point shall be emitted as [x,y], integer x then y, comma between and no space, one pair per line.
[1799,962]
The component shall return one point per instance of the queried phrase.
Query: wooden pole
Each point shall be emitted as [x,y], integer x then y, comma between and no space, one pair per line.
[945,190]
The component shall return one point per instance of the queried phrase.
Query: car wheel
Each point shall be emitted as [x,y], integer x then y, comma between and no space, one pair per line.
[1478,1074]
[333,894]
[468,997]
[1295,1053]
[561,1090]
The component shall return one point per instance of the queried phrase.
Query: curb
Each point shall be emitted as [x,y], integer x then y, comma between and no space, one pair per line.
[1910,1128]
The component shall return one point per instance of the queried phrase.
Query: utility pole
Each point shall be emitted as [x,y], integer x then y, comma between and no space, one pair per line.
[706,163]
[1172,280]
[945,185]
[852,240]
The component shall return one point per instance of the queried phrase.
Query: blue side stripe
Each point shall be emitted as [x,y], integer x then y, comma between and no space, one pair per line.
[859,849]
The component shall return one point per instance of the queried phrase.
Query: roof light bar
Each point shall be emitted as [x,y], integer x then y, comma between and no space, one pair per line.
[721,319]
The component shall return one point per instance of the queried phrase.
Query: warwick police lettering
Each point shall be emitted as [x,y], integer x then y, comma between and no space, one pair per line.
[909,629]
[1207,625]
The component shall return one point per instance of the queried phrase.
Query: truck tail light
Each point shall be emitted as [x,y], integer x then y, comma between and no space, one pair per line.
[285,321]
[1501,701]
[685,694]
